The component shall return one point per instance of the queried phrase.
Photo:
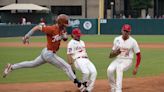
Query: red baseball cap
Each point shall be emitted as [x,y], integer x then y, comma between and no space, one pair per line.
[126,27]
[76,32]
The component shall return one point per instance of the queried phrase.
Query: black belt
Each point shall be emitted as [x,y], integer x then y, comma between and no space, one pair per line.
[81,57]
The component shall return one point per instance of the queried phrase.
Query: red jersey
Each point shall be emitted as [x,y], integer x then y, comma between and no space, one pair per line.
[53,33]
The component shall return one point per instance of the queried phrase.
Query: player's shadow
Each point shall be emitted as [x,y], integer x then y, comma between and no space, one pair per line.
[126,88]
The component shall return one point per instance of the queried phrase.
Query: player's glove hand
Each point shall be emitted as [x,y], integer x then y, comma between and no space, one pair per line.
[25,40]
[114,53]
[64,35]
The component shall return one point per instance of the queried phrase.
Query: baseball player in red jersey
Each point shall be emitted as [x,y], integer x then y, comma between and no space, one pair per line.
[124,47]
[55,34]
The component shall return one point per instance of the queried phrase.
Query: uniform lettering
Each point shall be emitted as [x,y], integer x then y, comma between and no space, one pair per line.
[56,38]
[79,49]
[125,52]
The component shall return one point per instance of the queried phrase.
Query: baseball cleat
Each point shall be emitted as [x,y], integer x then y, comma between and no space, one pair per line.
[80,85]
[7,70]
[86,91]
[86,84]
[82,88]
[113,89]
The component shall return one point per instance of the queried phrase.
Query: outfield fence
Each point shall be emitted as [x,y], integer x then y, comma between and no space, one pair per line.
[90,26]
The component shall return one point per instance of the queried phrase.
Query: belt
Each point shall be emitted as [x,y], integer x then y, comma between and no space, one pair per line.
[81,57]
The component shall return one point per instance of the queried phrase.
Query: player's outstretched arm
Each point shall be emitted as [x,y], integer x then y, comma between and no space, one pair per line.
[25,39]
[138,60]
[70,61]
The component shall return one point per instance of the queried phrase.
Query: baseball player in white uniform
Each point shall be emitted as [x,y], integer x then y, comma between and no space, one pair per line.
[124,47]
[77,54]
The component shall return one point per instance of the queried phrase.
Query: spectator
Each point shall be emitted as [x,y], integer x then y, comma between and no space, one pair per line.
[148,16]
[129,16]
[160,17]
[156,17]
[23,21]
[42,21]
[124,17]
[163,16]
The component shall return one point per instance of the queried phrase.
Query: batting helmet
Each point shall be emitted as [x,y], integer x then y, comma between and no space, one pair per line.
[62,20]
[76,32]
[126,27]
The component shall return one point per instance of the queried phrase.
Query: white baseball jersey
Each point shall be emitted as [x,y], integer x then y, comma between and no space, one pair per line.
[81,61]
[76,49]
[127,47]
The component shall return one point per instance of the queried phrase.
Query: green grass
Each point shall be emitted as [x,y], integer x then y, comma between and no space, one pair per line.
[152,64]
[19,39]
[94,38]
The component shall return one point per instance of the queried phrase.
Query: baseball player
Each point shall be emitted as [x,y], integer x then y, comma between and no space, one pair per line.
[55,34]
[77,54]
[124,47]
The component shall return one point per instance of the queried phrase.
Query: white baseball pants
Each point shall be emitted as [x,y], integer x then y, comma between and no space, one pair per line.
[88,71]
[47,56]
[118,66]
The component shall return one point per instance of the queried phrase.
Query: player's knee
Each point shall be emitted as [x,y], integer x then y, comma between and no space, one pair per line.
[85,72]
[67,68]
[48,57]
[110,70]
[94,73]
[120,69]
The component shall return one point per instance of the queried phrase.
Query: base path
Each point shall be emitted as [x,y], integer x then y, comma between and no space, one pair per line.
[88,44]
[145,84]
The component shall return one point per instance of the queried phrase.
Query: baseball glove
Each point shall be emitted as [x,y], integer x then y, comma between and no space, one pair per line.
[114,53]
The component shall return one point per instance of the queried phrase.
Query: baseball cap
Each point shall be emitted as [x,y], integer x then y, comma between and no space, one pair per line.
[126,27]
[77,32]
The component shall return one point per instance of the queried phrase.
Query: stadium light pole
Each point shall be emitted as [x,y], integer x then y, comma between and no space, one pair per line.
[86,5]
[112,6]
[101,14]
[16,1]
[105,9]
[156,8]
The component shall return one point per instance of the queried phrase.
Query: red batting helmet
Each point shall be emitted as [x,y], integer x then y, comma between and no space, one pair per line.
[126,27]
[76,32]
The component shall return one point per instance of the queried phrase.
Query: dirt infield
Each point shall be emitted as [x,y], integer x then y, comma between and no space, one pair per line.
[146,84]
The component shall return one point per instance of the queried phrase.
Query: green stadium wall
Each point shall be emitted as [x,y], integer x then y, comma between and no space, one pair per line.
[87,26]
[16,30]
[139,26]
[90,26]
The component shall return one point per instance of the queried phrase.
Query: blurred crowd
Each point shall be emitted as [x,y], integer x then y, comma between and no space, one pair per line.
[122,16]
